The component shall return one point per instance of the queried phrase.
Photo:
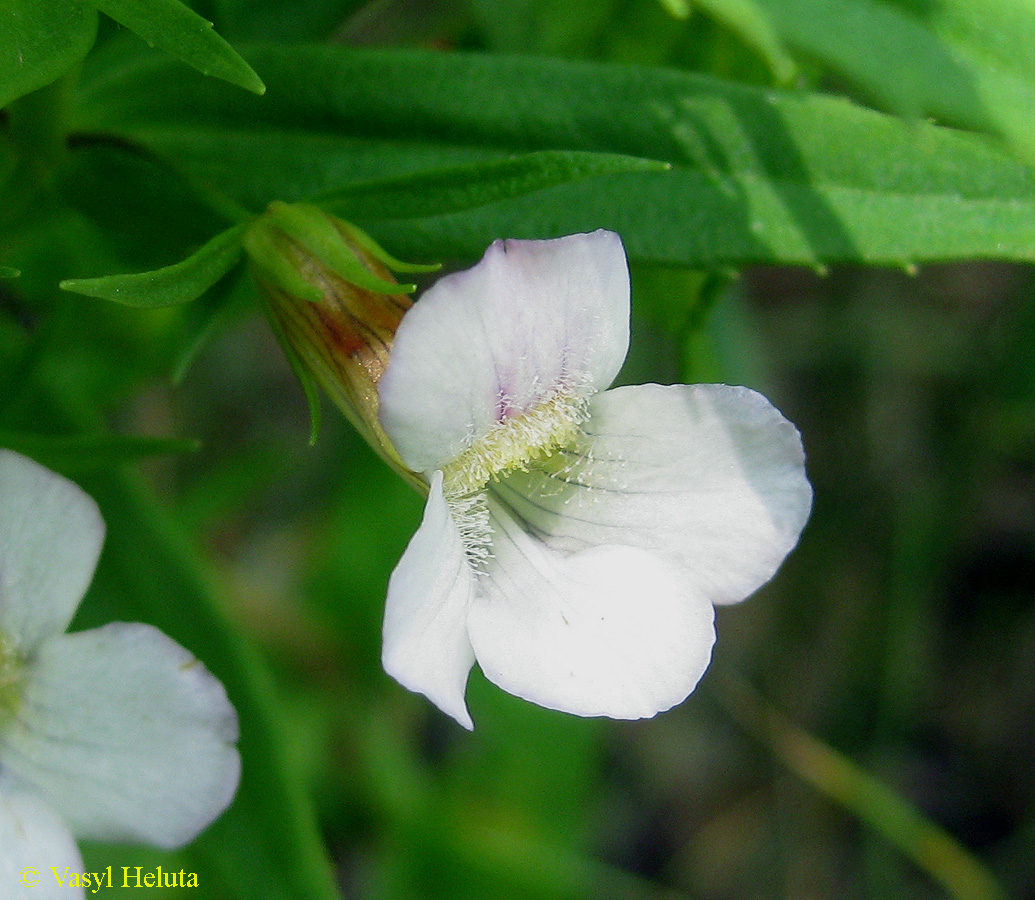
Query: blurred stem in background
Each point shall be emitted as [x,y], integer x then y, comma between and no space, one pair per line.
[893,818]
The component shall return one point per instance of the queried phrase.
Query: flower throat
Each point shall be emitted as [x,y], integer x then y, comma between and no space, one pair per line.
[515,441]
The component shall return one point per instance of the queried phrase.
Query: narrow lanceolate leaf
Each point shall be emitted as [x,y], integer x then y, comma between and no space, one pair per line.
[752,22]
[459,188]
[40,40]
[757,175]
[966,62]
[177,29]
[172,285]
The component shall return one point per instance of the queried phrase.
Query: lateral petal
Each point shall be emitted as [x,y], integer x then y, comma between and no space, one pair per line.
[425,645]
[50,539]
[608,631]
[711,477]
[33,839]
[529,320]
[126,735]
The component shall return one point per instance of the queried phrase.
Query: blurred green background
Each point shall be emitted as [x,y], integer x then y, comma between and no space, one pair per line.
[867,726]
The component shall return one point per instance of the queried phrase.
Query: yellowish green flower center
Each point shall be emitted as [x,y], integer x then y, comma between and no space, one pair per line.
[516,441]
[10,677]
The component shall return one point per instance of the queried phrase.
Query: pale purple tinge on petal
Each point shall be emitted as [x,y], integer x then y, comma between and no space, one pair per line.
[710,477]
[126,735]
[532,318]
[51,535]
[608,631]
[33,838]
[426,648]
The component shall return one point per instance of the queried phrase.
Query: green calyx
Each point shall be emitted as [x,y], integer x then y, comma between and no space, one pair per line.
[334,304]
[288,234]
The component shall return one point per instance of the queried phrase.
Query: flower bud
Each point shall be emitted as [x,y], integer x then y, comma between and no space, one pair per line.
[334,305]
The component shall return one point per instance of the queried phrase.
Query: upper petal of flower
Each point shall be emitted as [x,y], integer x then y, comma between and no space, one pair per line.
[425,646]
[608,631]
[50,538]
[709,476]
[125,734]
[33,836]
[532,319]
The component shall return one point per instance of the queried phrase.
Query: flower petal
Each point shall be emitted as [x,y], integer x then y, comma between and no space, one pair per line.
[50,538]
[608,631]
[708,476]
[126,734]
[33,837]
[532,318]
[425,647]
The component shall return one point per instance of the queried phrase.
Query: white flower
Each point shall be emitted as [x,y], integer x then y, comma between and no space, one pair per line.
[114,734]
[574,541]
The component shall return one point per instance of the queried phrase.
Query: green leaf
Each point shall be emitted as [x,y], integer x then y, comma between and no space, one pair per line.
[679,9]
[147,214]
[8,272]
[464,187]
[968,62]
[172,285]
[177,29]
[40,40]
[757,175]
[750,20]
